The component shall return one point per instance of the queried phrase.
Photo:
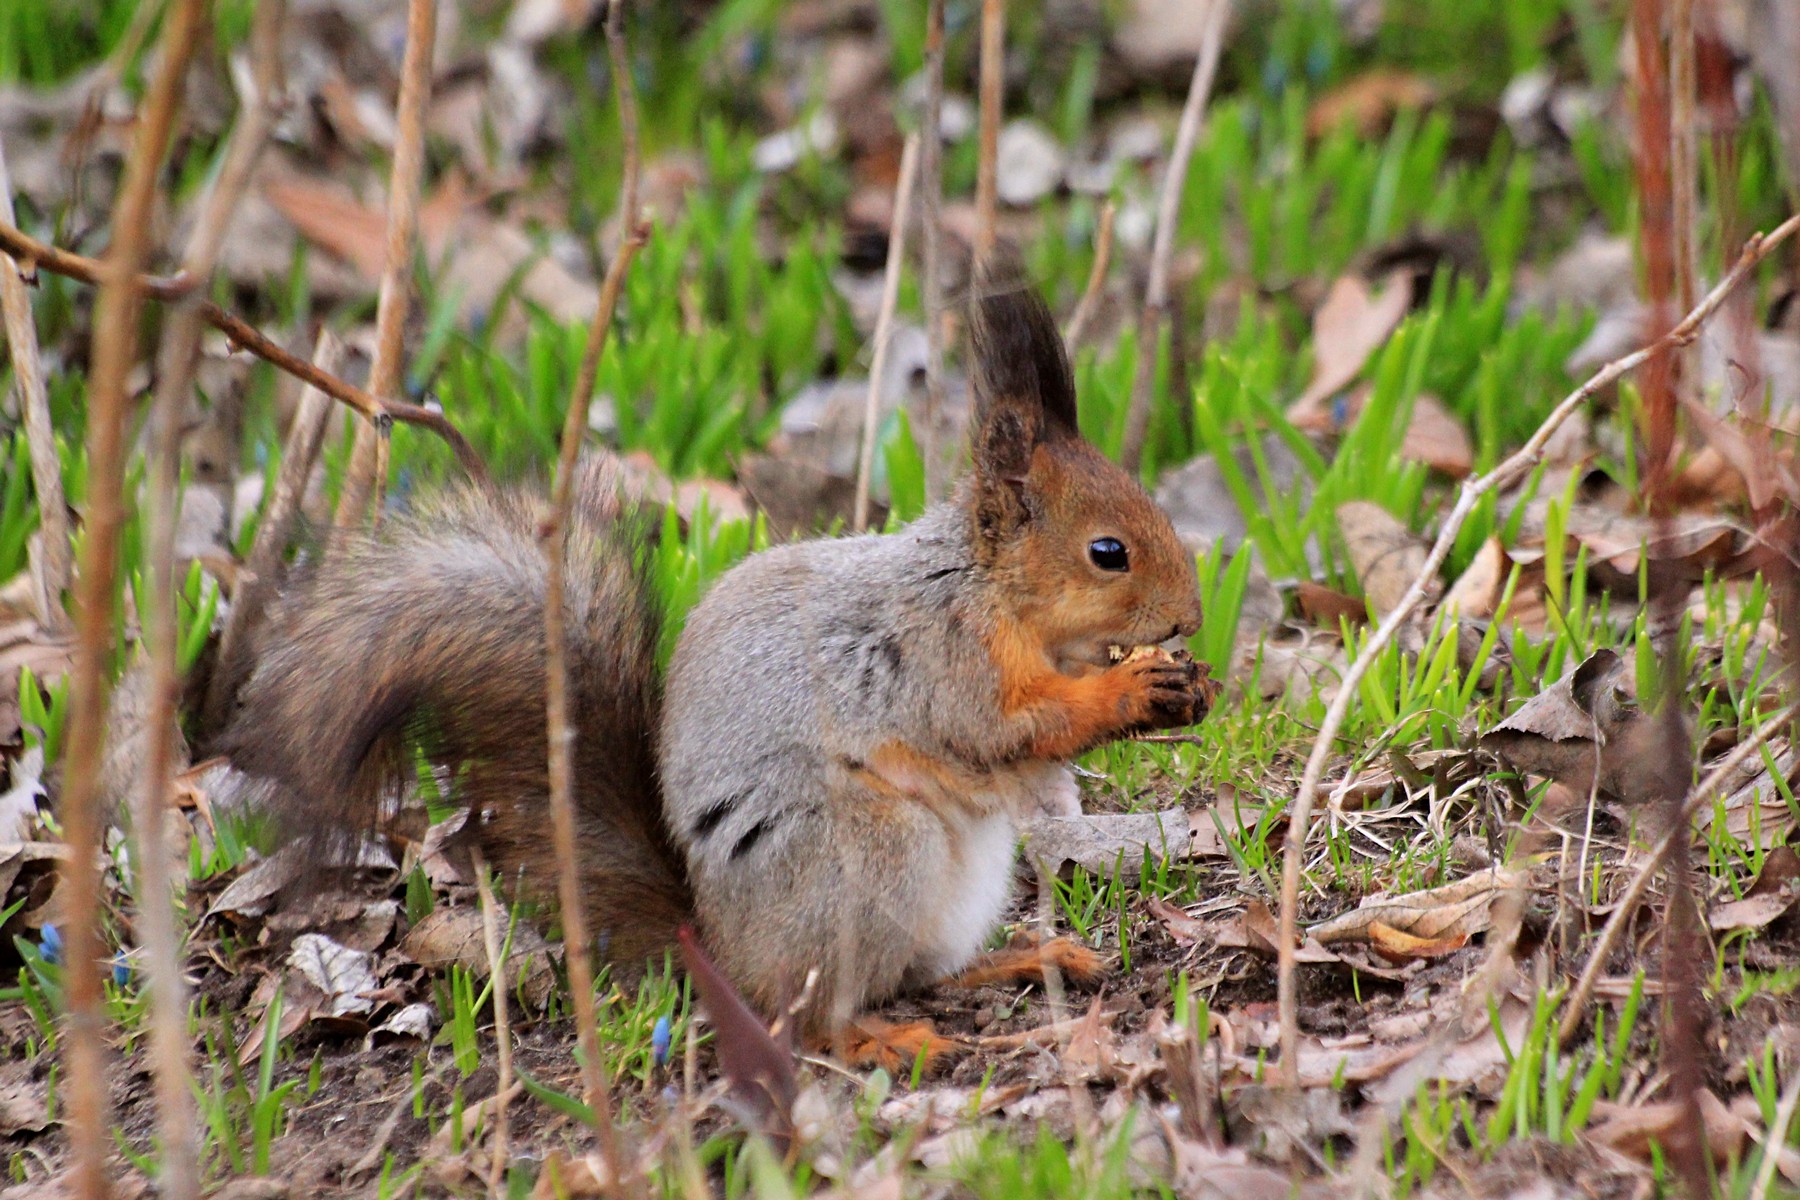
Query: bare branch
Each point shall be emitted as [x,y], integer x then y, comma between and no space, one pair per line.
[560,728]
[1162,248]
[1096,280]
[497,988]
[931,200]
[993,98]
[29,253]
[158,922]
[113,352]
[1509,471]
[367,471]
[884,324]
[51,565]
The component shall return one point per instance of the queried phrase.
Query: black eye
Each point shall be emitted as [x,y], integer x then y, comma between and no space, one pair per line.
[1108,554]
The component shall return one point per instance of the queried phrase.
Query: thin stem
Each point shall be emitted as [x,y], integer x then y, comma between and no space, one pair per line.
[931,201]
[51,563]
[387,372]
[884,325]
[993,98]
[1162,247]
[1513,468]
[114,351]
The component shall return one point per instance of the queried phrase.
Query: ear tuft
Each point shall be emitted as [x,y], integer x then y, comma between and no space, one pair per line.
[1018,356]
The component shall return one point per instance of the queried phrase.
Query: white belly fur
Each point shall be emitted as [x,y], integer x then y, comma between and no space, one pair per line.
[971,898]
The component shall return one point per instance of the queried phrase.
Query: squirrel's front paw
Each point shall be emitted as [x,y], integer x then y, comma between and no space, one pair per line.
[1171,690]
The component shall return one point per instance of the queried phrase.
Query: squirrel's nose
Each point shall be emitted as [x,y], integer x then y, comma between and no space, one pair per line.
[1189,624]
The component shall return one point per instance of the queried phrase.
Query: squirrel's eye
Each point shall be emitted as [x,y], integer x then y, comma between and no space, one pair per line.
[1108,554]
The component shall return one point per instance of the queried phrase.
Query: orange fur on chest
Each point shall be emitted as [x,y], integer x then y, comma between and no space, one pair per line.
[1066,714]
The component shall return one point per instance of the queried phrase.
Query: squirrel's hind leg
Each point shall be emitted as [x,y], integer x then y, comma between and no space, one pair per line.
[1031,963]
[895,1047]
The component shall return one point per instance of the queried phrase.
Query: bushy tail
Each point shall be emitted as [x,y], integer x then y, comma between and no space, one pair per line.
[430,635]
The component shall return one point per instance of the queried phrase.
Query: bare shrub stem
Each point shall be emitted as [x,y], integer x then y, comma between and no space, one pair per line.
[561,730]
[884,325]
[113,352]
[1162,246]
[1515,467]
[51,561]
[387,373]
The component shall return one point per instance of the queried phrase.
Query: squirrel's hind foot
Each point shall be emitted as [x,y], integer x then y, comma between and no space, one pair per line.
[1031,963]
[872,1042]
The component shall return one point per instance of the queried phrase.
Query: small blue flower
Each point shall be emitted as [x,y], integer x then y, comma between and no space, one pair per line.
[121,968]
[50,944]
[659,1040]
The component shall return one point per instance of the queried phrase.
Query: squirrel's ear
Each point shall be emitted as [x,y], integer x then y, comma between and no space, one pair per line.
[1024,391]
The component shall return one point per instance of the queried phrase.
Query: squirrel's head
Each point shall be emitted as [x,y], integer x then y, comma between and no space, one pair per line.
[1080,550]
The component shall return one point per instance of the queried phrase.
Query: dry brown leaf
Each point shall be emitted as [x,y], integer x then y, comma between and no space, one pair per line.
[569,1178]
[1386,554]
[455,936]
[1368,101]
[1349,326]
[1396,945]
[1183,928]
[1630,1129]
[1436,438]
[1430,918]
[1584,730]
[1325,607]
[1477,591]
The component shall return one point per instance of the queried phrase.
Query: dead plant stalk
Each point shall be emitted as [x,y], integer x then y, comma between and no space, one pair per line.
[51,567]
[1633,894]
[993,98]
[113,353]
[561,731]
[157,919]
[387,373]
[931,240]
[884,324]
[31,254]
[1083,315]
[1162,247]
[1520,463]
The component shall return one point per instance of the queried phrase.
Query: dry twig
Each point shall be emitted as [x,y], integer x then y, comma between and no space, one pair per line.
[1628,900]
[931,234]
[158,923]
[497,986]
[114,350]
[1162,248]
[31,253]
[51,566]
[367,471]
[1512,469]
[1096,280]
[993,97]
[884,324]
[561,731]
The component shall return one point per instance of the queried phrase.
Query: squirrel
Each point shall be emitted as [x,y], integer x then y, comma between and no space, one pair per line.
[827,782]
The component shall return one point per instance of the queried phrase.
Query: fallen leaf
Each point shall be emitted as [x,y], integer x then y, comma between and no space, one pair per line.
[1585,731]
[1368,101]
[345,976]
[1396,945]
[1386,554]
[456,936]
[1477,591]
[1436,438]
[1429,918]
[1183,928]
[1350,325]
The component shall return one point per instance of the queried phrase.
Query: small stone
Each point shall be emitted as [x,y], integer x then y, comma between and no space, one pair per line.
[1029,164]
